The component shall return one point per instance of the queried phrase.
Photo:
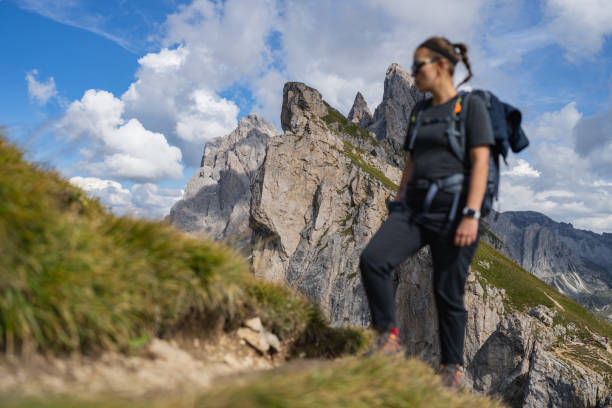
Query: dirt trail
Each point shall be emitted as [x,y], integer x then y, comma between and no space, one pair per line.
[554,301]
[161,368]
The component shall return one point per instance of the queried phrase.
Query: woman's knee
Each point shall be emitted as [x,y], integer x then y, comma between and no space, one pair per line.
[370,261]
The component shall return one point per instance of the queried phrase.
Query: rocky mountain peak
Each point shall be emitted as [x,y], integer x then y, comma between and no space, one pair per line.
[300,104]
[392,116]
[360,112]
[216,198]
[254,121]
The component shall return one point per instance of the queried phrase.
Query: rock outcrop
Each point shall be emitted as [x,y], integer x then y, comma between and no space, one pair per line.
[216,199]
[315,202]
[578,263]
[318,197]
[360,113]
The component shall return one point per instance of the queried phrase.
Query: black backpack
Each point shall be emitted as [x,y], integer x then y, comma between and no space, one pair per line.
[507,132]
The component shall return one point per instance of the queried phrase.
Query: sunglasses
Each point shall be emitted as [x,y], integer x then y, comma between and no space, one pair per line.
[416,65]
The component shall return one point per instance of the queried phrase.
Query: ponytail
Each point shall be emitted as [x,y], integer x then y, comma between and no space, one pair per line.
[464,58]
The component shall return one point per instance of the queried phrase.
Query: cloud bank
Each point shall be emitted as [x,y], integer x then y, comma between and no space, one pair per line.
[142,200]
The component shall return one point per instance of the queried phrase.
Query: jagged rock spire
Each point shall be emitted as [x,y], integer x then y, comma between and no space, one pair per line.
[360,112]
[391,117]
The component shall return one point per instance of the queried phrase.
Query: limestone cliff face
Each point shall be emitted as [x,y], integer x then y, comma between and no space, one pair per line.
[578,263]
[314,206]
[314,201]
[216,199]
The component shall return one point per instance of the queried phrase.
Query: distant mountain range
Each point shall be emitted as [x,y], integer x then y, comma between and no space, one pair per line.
[578,263]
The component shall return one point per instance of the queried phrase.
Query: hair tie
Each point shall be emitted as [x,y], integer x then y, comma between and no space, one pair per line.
[442,51]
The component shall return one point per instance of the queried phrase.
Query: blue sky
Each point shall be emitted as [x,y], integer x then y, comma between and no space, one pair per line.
[121,96]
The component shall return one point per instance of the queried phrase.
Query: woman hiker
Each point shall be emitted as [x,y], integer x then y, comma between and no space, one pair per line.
[428,213]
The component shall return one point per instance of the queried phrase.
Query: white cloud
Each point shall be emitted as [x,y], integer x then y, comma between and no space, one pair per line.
[593,141]
[109,192]
[598,223]
[545,195]
[269,96]
[554,125]
[521,168]
[176,94]
[155,200]
[165,60]
[142,200]
[122,149]
[206,117]
[40,91]
[580,26]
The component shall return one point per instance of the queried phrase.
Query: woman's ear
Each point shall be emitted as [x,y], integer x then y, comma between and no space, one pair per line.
[442,65]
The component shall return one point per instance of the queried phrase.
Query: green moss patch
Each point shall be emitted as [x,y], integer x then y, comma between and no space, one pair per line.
[351,153]
[334,117]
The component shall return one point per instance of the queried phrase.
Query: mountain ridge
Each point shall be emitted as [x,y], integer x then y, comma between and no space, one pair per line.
[576,262]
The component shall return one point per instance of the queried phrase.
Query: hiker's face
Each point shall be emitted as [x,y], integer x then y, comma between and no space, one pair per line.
[429,70]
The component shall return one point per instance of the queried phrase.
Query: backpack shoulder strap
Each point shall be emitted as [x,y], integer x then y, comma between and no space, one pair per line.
[416,121]
[456,128]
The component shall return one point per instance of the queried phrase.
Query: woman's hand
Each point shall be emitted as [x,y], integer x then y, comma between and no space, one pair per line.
[466,232]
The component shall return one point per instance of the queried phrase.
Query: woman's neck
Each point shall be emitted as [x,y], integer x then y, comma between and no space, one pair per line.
[443,94]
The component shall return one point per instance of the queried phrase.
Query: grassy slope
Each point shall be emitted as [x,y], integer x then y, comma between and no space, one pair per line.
[525,291]
[75,278]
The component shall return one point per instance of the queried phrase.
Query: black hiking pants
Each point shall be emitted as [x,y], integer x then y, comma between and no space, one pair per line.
[399,237]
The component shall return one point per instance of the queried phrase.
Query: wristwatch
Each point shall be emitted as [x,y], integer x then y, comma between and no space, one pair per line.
[468,212]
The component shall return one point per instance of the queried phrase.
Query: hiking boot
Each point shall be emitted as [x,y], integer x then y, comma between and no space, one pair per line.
[451,376]
[386,344]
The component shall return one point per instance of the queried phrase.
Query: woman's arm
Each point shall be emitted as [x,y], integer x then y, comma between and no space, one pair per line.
[405,178]
[468,227]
